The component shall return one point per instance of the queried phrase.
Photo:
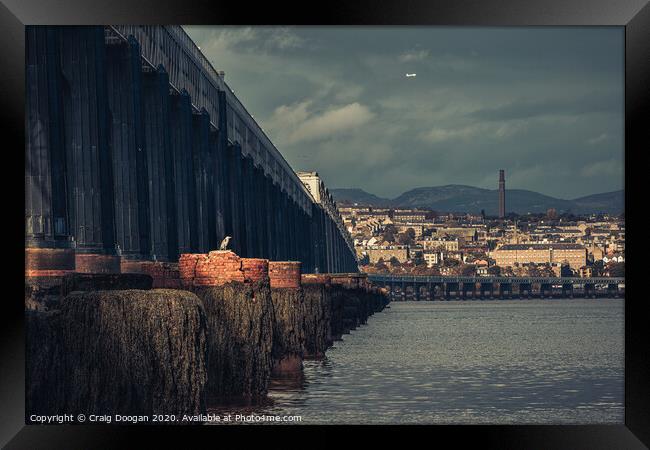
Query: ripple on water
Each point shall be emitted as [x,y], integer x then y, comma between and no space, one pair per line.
[489,362]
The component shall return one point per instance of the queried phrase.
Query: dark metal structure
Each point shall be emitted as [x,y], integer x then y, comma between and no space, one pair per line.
[136,147]
[413,287]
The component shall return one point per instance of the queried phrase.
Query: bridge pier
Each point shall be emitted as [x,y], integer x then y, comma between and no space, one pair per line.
[48,230]
[203,161]
[187,232]
[236,226]
[128,161]
[202,164]
[126,138]
[248,206]
[449,288]
[612,290]
[416,291]
[155,92]
[466,290]
[88,164]
[505,290]
[214,230]
[486,290]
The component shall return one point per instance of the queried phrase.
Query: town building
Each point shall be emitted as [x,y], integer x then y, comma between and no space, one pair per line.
[575,255]
[403,228]
[375,253]
[468,233]
[322,196]
[586,272]
[433,258]
[408,215]
[448,244]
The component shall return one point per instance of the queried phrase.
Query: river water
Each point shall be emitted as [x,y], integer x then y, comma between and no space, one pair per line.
[489,362]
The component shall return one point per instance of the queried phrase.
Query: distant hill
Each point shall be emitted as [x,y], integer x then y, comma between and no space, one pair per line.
[354,195]
[461,198]
[609,202]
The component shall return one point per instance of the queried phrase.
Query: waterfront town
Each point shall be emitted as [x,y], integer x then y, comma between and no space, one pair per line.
[178,268]
[432,243]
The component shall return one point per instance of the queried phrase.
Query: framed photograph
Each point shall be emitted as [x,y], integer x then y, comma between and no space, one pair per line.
[411,213]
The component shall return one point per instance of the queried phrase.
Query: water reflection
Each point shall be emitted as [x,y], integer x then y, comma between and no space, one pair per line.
[548,361]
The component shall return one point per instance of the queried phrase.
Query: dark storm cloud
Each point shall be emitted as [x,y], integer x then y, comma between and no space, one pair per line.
[594,102]
[546,104]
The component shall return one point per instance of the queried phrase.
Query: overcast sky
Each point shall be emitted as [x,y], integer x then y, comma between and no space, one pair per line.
[545,104]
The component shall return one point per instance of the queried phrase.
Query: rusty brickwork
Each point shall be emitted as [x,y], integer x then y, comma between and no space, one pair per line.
[284,274]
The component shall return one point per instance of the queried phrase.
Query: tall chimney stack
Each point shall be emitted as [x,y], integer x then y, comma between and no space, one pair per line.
[502,194]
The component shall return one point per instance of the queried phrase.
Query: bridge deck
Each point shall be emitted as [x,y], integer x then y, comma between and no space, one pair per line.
[521,280]
[190,70]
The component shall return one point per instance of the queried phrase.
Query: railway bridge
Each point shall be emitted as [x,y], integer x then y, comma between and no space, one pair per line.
[411,287]
[137,150]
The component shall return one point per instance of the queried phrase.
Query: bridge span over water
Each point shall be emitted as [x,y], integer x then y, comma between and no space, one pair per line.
[413,287]
[137,149]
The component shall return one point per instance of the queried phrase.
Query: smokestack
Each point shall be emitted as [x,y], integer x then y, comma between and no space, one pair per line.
[502,194]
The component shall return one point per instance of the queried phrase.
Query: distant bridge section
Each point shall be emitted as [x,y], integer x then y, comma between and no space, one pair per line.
[137,149]
[413,287]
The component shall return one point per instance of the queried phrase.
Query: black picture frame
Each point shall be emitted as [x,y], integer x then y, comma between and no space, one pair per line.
[634,15]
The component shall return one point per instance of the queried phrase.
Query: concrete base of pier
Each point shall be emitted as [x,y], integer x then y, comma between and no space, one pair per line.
[240,339]
[243,337]
[45,262]
[97,263]
[117,352]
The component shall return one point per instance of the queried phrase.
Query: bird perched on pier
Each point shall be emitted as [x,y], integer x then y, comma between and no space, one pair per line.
[224,243]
